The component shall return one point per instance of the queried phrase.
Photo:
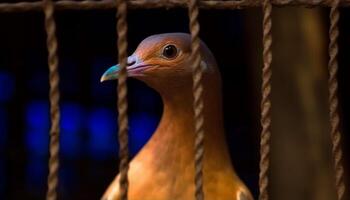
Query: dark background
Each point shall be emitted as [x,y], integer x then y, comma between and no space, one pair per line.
[87,46]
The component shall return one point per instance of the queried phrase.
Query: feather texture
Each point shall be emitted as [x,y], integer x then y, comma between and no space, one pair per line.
[164,168]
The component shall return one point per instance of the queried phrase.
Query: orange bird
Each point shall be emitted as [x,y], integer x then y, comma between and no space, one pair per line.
[164,168]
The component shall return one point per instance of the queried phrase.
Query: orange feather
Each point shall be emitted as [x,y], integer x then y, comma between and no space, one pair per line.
[164,168]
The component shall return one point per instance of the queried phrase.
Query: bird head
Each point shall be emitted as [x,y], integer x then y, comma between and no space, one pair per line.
[164,59]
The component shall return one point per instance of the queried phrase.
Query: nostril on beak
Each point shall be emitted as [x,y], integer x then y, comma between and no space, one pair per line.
[131,62]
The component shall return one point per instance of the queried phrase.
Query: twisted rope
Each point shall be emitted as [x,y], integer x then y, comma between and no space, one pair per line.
[198,99]
[122,29]
[333,100]
[266,102]
[50,26]
[146,4]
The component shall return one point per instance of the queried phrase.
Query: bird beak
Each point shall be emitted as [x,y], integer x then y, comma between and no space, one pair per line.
[113,72]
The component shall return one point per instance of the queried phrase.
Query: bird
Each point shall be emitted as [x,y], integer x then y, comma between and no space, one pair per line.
[164,168]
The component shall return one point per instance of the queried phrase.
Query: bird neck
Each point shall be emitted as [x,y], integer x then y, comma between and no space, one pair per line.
[178,115]
[173,141]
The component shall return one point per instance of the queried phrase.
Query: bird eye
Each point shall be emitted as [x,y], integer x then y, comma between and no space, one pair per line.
[170,51]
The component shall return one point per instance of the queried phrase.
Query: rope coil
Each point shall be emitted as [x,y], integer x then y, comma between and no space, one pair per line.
[122,104]
[54,95]
[146,4]
[266,102]
[333,100]
[50,26]
[197,98]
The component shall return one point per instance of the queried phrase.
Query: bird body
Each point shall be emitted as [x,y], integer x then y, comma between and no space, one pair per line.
[164,168]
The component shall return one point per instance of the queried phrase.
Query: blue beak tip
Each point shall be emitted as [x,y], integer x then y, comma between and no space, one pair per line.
[110,74]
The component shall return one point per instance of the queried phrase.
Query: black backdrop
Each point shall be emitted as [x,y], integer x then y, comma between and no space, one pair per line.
[87,46]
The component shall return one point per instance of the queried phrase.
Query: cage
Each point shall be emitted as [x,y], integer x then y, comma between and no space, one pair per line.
[74,112]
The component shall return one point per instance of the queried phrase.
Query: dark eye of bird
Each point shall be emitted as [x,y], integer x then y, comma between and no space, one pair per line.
[170,51]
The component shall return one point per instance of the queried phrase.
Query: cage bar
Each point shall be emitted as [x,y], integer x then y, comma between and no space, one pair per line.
[147,4]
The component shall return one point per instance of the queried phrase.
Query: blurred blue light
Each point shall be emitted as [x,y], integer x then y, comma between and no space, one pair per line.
[7,86]
[38,124]
[37,115]
[142,126]
[72,117]
[70,144]
[37,142]
[37,128]
[102,127]
[3,128]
